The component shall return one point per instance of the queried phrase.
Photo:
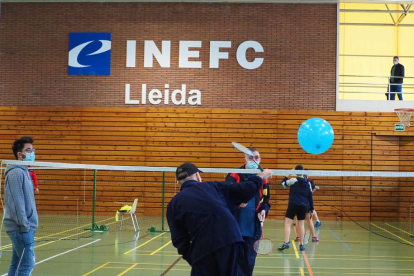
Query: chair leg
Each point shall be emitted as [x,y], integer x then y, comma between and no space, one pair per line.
[136,220]
[133,223]
[122,221]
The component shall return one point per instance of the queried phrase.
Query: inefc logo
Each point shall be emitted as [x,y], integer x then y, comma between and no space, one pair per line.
[186,50]
[89,54]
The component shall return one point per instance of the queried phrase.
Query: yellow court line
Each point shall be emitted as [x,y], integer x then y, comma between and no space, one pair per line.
[340,255]
[43,244]
[301,272]
[69,235]
[399,229]
[294,247]
[165,245]
[393,234]
[51,235]
[92,271]
[40,245]
[126,270]
[129,251]
[37,246]
[142,265]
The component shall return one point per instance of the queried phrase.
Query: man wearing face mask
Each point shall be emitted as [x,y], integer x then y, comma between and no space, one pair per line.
[396,80]
[20,214]
[249,214]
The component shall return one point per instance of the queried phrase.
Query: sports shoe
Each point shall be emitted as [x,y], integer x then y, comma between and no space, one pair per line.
[318,223]
[302,247]
[315,239]
[284,246]
[297,239]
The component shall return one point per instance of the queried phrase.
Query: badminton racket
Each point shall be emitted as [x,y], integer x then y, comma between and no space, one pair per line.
[263,246]
[246,151]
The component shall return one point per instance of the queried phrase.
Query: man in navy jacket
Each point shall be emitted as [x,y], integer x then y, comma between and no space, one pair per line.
[249,214]
[202,227]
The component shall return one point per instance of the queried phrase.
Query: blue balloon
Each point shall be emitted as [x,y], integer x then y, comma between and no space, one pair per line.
[315,136]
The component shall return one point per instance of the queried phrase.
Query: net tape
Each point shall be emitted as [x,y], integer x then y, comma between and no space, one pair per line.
[53,165]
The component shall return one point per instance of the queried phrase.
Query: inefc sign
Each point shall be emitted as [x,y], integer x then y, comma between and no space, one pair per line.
[163,57]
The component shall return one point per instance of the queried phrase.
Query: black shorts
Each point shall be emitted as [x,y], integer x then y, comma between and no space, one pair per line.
[296,210]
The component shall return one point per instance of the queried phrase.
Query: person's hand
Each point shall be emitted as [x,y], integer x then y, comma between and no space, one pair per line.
[317,187]
[262,215]
[266,174]
[243,205]
[37,190]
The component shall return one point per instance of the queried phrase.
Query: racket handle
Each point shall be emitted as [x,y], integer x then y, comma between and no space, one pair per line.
[260,167]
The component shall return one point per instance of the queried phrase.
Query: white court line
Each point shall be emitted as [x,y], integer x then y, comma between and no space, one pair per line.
[57,255]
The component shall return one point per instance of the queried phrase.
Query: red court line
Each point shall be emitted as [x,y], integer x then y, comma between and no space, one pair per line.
[307,263]
[171,266]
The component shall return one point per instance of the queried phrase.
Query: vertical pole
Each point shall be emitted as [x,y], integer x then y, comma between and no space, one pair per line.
[411,225]
[163,201]
[370,178]
[93,199]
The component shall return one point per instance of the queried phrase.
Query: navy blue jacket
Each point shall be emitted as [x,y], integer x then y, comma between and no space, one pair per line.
[300,193]
[199,219]
[261,200]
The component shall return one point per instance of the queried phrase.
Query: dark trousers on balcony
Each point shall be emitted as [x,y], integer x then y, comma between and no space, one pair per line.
[395,88]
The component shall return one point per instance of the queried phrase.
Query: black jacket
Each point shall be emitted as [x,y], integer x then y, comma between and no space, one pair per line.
[399,72]
[300,193]
[261,200]
[199,219]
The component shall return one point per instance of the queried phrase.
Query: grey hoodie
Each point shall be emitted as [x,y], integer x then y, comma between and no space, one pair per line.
[20,207]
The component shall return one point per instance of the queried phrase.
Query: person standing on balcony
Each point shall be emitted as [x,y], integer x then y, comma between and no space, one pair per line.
[396,80]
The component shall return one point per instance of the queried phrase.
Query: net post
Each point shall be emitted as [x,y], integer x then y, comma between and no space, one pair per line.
[411,223]
[163,201]
[93,200]
[153,228]
[94,225]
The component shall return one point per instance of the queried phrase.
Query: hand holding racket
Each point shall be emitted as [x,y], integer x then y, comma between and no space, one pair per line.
[262,216]
[263,246]
[266,174]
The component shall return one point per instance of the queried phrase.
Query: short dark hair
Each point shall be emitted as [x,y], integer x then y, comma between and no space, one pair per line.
[396,58]
[18,145]
[253,149]
[299,168]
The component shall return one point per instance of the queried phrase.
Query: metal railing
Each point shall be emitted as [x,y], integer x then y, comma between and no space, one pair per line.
[372,87]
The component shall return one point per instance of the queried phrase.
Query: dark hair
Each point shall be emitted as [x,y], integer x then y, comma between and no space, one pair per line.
[396,58]
[18,145]
[298,168]
[253,149]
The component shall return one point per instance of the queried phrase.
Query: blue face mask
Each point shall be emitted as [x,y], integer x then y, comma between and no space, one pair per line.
[252,165]
[395,62]
[30,157]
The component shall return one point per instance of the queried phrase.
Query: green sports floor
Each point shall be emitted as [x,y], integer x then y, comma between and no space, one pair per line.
[344,249]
